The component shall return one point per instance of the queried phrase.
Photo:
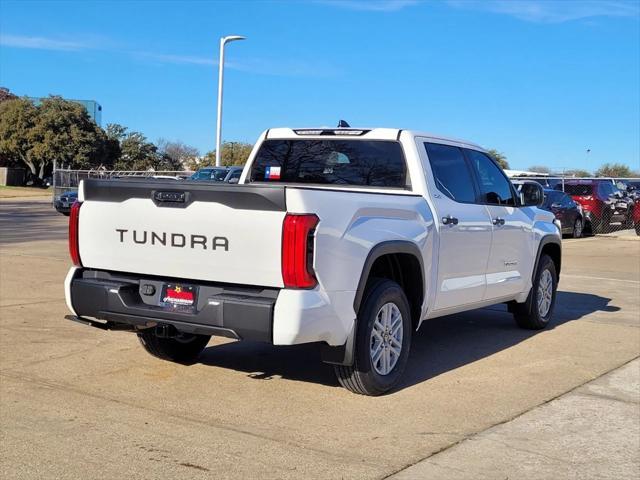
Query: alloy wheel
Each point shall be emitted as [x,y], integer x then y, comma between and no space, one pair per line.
[385,346]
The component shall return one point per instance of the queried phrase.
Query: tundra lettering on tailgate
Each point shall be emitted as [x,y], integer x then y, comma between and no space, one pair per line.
[178,240]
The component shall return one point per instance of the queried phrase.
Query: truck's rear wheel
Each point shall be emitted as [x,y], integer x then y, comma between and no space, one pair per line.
[536,312]
[181,348]
[383,339]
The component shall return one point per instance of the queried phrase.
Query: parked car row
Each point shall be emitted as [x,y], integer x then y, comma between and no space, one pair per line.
[591,205]
[606,208]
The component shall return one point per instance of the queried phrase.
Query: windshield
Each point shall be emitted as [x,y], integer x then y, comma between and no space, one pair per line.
[216,174]
[578,189]
[337,162]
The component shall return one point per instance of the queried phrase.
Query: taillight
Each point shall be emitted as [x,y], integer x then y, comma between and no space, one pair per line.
[74,245]
[297,251]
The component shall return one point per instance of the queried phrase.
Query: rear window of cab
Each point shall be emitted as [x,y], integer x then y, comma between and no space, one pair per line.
[372,163]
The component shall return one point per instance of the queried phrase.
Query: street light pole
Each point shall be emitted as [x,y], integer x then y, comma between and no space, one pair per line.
[223,42]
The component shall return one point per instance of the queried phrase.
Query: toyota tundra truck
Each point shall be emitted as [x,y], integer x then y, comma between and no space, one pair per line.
[351,238]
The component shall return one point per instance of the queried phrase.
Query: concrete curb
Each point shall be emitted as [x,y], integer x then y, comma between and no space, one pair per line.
[593,431]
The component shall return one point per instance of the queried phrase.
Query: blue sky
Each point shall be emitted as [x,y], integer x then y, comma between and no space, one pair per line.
[540,81]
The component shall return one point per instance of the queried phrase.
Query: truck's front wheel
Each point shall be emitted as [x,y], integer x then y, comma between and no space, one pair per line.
[536,312]
[382,342]
[181,348]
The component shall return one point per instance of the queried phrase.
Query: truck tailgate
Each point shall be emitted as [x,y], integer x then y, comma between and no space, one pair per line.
[222,233]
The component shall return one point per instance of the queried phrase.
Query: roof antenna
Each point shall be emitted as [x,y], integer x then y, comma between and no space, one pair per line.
[343,124]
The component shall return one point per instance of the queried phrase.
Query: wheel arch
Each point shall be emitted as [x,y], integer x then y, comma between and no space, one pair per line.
[406,267]
[552,246]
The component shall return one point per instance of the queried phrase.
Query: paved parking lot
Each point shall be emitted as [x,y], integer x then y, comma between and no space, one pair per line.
[77,402]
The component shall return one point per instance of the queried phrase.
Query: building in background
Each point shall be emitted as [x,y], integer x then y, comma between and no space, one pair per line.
[94,109]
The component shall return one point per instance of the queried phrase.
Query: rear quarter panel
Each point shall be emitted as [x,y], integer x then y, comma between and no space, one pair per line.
[351,224]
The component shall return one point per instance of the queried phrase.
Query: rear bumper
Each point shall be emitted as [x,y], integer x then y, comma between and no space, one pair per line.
[277,316]
[118,299]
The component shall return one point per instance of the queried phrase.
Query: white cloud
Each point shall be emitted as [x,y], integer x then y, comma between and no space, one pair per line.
[179,59]
[553,11]
[371,5]
[39,43]
[261,66]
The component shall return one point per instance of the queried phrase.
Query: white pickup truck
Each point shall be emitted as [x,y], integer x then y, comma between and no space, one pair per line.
[347,237]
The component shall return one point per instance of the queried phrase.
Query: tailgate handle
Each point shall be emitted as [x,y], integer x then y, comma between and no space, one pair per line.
[173,197]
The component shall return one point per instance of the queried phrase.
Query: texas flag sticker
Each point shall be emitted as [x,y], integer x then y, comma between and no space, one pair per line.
[272,173]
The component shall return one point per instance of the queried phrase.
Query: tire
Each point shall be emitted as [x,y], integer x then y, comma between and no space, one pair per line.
[535,314]
[588,228]
[384,300]
[577,228]
[184,348]
[637,228]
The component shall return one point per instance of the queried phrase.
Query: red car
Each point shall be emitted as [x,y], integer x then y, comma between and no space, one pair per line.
[600,200]
[636,217]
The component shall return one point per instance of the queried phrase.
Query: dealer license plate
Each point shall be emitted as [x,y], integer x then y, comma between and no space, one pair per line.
[178,297]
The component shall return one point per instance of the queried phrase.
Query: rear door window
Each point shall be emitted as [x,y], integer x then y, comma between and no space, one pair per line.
[451,172]
[331,162]
[552,197]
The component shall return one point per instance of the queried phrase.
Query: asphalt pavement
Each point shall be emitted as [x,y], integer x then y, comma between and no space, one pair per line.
[77,402]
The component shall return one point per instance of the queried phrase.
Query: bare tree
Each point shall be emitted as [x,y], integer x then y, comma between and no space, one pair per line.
[539,169]
[178,155]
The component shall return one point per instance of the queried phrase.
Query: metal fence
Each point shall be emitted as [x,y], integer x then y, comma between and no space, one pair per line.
[69,180]
[604,205]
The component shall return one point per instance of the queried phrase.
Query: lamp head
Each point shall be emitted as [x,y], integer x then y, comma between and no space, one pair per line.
[232,38]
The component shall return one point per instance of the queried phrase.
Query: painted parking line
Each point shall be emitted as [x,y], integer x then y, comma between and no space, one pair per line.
[588,277]
[581,240]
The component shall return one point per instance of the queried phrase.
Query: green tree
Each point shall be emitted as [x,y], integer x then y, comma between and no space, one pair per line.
[115,133]
[539,169]
[65,133]
[137,153]
[56,130]
[577,172]
[500,158]
[616,170]
[17,119]
[233,153]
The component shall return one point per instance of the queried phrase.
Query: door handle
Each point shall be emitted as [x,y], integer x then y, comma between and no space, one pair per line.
[449,220]
[498,221]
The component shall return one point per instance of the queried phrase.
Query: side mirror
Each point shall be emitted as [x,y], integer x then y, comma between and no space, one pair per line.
[234,180]
[556,205]
[531,194]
